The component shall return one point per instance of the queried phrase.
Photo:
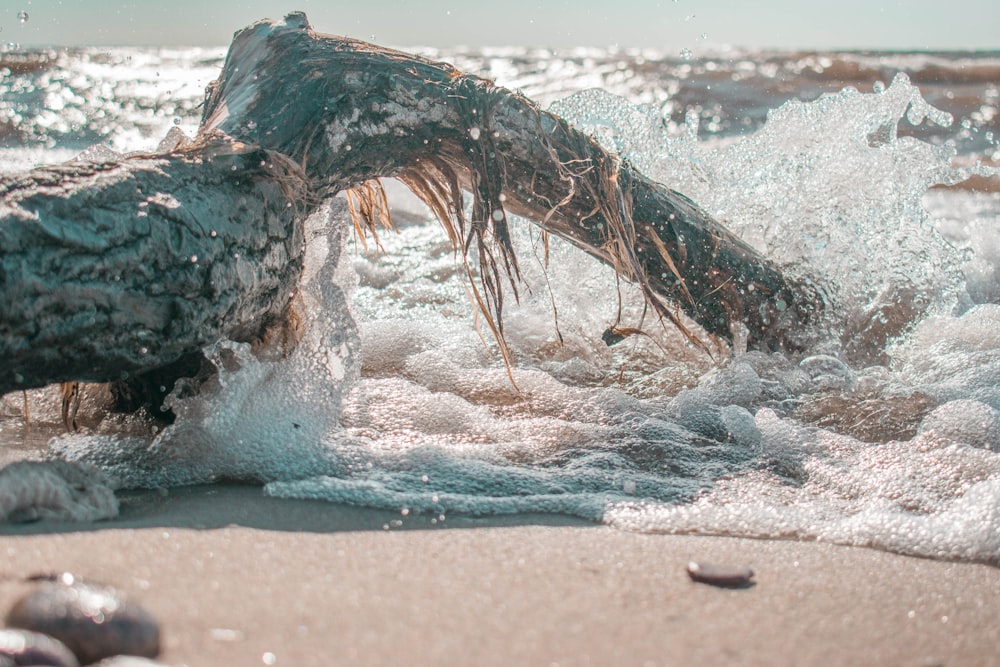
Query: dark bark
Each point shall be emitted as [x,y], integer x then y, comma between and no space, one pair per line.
[109,270]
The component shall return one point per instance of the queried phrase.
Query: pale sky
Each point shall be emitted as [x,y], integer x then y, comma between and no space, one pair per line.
[667,24]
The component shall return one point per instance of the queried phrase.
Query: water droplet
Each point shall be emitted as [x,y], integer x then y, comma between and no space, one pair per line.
[194,259]
[686,54]
[143,350]
[22,16]
[347,147]
[269,658]
[474,133]
[213,233]
[498,215]
[177,121]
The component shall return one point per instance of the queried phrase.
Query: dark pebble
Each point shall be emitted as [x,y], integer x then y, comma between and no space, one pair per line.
[725,576]
[93,620]
[22,647]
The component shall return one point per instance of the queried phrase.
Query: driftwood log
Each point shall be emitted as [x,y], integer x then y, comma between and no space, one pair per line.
[117,269]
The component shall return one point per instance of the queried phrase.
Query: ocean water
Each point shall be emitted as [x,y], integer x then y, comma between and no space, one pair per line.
[872,173]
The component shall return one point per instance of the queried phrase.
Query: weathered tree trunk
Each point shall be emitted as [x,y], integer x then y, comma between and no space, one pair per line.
[111,270]
[350,111]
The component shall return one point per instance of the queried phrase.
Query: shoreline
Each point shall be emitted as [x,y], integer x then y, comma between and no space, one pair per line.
[237,578]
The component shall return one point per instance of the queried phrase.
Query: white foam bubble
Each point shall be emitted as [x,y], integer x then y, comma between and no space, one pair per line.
[970,422]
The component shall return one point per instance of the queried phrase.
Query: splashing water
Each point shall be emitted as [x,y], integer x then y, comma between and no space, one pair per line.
[256,420]
[886,434]
[825,187]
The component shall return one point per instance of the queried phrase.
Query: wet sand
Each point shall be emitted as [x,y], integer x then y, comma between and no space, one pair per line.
[240,579]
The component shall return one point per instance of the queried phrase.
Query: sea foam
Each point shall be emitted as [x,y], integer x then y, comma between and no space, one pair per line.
[889,443]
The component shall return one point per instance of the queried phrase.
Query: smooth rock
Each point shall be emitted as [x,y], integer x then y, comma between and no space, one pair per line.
[93,620]
[23,647]
[724,576]
[128,661]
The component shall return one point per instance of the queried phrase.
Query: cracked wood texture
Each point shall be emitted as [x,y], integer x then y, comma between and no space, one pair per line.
[110,270]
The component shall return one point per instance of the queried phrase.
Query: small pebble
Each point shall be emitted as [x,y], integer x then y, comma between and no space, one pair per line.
[128,661]
[725,576]
[21,647]
[93,620]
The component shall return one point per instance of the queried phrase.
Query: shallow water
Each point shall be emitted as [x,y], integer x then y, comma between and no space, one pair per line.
[885,433]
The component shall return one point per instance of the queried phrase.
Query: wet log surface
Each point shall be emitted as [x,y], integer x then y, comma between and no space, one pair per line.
[116,269]
[109,270]
[355,111]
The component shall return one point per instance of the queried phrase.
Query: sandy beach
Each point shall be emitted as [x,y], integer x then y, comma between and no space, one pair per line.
[240,579]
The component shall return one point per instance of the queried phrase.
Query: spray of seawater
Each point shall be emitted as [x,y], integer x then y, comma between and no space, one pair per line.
[257,418]
[827,188]
[886,434]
